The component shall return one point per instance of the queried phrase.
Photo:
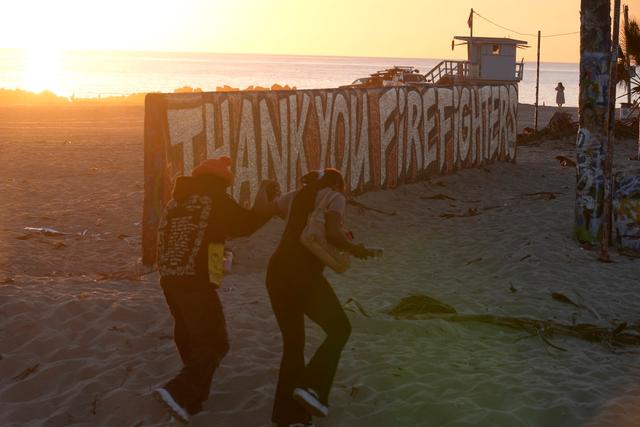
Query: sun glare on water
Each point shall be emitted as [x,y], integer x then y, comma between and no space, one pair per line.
[43,70]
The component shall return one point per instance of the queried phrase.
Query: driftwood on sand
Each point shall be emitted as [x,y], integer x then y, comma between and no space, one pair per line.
[363,207]
[425,307]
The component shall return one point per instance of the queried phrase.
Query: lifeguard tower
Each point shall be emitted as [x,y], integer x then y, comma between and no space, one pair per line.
[489,60]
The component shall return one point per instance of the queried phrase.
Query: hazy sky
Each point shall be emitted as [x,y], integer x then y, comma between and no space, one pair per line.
[409,28]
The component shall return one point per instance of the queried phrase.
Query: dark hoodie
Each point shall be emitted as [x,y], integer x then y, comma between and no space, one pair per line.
[291,255]
[200,212]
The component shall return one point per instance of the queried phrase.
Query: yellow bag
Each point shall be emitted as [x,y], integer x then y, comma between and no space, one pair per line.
[216,263]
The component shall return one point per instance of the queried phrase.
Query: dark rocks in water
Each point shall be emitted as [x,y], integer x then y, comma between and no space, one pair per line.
[416,305]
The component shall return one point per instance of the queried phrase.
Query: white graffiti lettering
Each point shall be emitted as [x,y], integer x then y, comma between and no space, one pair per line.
[418,132]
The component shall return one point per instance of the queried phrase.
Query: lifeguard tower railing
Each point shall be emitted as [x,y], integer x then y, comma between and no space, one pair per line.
[447,68]
[458,70]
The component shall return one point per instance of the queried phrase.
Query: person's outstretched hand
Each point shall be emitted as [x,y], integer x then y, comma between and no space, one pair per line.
[264,202]
[272,189]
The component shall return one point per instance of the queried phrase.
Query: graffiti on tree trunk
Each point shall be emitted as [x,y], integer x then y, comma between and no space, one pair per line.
[626,212]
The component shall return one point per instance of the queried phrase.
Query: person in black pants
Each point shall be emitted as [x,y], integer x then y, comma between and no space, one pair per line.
[192,232]
[297,287]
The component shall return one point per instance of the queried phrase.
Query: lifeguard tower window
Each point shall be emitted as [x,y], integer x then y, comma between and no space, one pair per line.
[495,49]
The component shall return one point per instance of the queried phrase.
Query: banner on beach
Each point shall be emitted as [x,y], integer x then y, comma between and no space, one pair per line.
[378,138]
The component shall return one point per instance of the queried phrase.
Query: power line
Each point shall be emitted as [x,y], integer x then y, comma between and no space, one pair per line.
[520,33]
[503,27]
[562,34]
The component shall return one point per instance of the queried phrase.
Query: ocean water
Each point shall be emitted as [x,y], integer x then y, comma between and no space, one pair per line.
[92,74]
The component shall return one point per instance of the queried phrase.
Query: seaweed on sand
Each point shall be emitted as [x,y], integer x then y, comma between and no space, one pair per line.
[416,306]
[425,307]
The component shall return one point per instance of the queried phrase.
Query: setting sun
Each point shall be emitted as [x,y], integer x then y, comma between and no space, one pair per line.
[43,70]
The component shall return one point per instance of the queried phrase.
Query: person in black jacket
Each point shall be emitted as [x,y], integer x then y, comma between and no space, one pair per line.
[192,233]
[298,288]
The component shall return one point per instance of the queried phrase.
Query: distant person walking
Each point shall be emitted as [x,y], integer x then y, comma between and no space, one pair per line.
[297,287]
[194,227]
[560,95]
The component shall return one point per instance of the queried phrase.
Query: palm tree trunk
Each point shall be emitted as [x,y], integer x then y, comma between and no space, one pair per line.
[591,149]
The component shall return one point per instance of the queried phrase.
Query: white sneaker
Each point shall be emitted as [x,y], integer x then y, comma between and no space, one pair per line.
[309,399]
[165,398]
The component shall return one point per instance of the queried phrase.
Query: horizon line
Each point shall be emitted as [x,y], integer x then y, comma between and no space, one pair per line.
[185,52]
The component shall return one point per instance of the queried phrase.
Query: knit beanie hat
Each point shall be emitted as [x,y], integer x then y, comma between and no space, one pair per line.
[219,168]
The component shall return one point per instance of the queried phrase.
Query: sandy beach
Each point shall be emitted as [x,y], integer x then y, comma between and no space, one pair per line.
[84,339]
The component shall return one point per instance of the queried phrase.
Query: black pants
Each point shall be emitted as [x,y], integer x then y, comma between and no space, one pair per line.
[201,337]
[292,297]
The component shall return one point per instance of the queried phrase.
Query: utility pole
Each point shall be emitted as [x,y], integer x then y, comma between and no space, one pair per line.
[535,117]
[470,22]
[627,69]
[611,124]
[626,57]
[595,61]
